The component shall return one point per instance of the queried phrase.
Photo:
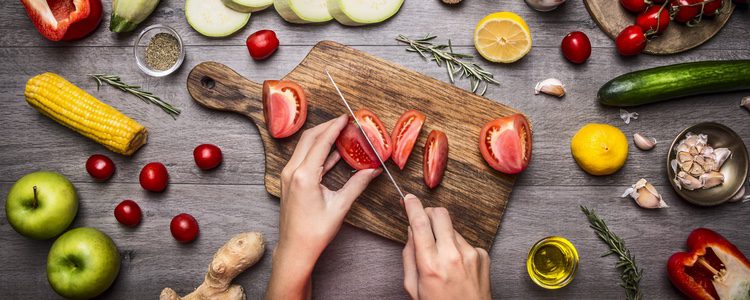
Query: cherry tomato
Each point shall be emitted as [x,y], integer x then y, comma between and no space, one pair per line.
[100,167]
[435,158]
[505,144]
[207,156]
[711,7]
[655,19]
[685,10]
[634,6]
[128,213]
[154,177]
[405,135]
[576,47]
[262,44]
[353,146]
[184,228]
[284,107]
[631,41]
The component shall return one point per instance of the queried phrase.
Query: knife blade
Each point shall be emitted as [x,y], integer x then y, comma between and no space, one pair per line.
[351,112]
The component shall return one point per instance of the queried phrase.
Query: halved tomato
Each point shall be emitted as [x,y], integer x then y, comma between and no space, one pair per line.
[405,135]
[284,106]
[435,158]
[353,146]
[505,144]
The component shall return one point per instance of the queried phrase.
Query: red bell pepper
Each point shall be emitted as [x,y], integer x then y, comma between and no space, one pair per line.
[65,20]
[713,269]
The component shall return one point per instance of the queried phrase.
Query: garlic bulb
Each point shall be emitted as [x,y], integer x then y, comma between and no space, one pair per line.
[550,86]
[544,5]
[697,164]
[644,143]
[645,195]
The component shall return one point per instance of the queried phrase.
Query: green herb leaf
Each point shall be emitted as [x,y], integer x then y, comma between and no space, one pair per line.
[147,97]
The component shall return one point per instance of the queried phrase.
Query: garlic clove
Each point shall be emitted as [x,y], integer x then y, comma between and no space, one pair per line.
[684,157]
[643,142]
[627,116]
[694,151]
[720,156]
[696,170]
[688,182]
[711,179]
[686,166]
[544,5]
[745,102]
[674,165]
[698,159]
[550,86]
[738,196]
[645,195]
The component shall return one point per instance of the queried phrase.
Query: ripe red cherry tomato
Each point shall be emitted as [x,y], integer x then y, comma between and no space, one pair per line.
[655,19]
[100,167]
[634,6]
[284,107]
[685,10]
[353,146]
[154,177]
[128,213]
[505,144]
[712,7]
[435,158]
[405,135]
[184,228]
[631,41]
[262,44]
[576,47]
[207,156]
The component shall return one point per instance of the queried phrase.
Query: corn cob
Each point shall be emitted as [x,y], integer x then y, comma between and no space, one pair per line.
[72,107]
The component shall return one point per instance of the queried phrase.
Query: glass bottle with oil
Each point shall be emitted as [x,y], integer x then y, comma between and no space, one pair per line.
[552,262]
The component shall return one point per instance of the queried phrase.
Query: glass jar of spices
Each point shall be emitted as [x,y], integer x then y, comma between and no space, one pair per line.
[159,50]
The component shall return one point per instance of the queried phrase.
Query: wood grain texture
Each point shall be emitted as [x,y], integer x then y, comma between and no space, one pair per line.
[612,18]
[388,90]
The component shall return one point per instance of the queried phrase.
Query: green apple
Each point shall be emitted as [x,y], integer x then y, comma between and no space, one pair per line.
[82,263]
[41,205]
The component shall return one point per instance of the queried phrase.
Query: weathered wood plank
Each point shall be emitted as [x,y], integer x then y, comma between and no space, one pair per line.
[416,18]
[31,141]
[359,265]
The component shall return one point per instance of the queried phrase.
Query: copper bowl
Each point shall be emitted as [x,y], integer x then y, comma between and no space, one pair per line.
[735,169]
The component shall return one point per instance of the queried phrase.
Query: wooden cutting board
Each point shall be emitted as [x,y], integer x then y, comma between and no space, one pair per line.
[612,18]
[475,194]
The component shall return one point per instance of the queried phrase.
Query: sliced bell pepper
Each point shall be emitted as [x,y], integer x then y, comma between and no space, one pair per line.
[713,269]
[64,19]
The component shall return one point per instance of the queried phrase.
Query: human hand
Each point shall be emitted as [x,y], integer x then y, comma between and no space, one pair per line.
[438,262]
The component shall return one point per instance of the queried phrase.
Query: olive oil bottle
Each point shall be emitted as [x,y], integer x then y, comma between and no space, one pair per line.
[552,262]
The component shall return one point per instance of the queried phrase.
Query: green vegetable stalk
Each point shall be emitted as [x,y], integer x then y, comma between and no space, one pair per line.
[127,14]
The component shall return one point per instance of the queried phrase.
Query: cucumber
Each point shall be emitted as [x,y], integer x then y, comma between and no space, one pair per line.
[363,12]
[675,81]
[127,14]
[303,11]
[212,18]
[246,6]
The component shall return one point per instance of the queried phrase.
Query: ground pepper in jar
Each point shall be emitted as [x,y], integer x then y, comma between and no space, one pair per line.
[162,51]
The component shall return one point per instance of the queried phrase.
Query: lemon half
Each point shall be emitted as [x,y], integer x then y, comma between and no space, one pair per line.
[502,37]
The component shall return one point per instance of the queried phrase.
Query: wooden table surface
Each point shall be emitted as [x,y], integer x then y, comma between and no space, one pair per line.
[357,265]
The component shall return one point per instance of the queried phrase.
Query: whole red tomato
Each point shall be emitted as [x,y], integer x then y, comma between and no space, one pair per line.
[184,228]
[634,6]
[207,156]
[655,19]
[128,213]
[631,41]
[685,10]
[576,47]
[100,167]
[262,44]
[154,177]
[711,7]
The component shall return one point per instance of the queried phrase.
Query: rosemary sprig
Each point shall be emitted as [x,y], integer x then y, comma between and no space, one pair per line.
[631,274]
[443,54]
[147,97]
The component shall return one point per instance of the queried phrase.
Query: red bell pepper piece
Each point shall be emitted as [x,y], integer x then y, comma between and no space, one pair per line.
[713,269]
[64,19]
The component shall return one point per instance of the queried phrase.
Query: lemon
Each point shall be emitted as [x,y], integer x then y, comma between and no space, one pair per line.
[599,149]
[502,37]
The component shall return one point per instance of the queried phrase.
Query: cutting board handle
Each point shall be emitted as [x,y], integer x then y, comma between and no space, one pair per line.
[217,86]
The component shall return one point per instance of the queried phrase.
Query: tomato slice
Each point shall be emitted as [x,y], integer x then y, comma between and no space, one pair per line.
[284,106]
[435,158]
[405,135]
[505,144]
[353,146]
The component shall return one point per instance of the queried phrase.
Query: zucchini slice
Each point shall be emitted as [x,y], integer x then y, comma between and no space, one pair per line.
[363,12]
[247,6]
[303,11]
[212,18]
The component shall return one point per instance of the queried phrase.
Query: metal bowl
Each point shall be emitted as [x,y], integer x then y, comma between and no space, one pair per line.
[735,169]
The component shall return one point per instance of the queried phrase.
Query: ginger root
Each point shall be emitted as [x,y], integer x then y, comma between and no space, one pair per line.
[238,254]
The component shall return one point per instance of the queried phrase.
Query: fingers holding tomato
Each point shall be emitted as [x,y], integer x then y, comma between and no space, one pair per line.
[505,144]
[284,107]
